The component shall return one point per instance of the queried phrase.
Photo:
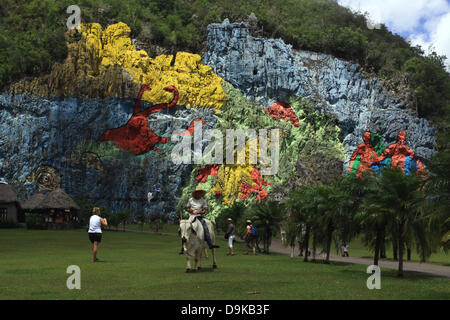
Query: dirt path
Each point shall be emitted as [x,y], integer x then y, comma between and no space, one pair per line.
[276,246]
[433,269]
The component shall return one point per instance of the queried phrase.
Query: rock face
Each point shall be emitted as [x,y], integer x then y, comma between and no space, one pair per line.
[61,134]
[50,127]
[270,70]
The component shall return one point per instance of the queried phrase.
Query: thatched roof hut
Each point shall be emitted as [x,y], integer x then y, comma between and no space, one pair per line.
[32,202]
[8,204]
[7,194]
[58,199]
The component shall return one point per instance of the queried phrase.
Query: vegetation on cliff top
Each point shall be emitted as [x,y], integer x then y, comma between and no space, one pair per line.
[32,39]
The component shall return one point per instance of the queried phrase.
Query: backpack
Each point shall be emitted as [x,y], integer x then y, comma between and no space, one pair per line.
[254,231]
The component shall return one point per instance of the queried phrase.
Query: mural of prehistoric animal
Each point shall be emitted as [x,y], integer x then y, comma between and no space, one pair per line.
[135,136]
[281,110]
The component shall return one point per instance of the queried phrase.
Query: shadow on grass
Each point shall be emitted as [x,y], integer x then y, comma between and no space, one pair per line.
[203,270]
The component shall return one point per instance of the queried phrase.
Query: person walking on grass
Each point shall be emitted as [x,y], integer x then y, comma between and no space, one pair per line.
[250,237]
[230,236]
[95,231]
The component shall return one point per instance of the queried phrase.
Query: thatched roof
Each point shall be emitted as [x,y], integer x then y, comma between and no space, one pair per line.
[7,193]
[58,199]
[33,201]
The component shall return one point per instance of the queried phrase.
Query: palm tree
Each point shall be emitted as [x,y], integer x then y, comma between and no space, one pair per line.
[266,216]
[373,215]
[303,208]
[438,200]
[292,231]
[401,197]
[334,210]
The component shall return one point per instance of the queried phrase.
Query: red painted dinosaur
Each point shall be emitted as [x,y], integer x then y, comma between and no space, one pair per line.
[135,136]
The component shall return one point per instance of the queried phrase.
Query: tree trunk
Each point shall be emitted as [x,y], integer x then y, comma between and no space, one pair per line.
[400,250]
[377,247]
[395,249]
[408,249]
[329,238]
[306,242]
[314,245]
[383,245]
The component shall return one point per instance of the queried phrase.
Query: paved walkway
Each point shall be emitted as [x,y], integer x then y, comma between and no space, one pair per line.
[428,268]
[276,246]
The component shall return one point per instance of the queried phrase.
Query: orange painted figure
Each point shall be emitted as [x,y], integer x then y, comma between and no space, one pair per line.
[247,189]
[203,173]
[190,131]
[281,110]
[367,155]
[400,153]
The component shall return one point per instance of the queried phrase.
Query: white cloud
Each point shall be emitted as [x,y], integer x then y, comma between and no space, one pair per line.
[436,37]
[423,22]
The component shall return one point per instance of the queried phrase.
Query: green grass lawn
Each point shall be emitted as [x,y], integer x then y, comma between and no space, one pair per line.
[165,228]
[143,266]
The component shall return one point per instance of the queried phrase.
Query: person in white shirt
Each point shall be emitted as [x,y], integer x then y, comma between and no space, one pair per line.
[197,206]
[95,231]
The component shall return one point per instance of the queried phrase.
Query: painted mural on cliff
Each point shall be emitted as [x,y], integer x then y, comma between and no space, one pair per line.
[103,119]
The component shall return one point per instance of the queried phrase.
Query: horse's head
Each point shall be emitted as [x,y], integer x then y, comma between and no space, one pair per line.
[185,230]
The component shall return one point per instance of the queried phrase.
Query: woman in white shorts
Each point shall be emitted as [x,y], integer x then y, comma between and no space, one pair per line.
[231,235]
[95,231]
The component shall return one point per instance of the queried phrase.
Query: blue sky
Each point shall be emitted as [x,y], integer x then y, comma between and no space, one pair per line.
[422,22]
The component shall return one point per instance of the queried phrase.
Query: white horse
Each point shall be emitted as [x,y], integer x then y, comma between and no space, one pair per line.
[191,232]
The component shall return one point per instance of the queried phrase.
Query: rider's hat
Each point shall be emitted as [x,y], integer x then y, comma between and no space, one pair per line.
[199,190]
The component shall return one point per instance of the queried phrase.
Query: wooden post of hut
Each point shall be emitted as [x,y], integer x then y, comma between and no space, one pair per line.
[8,205]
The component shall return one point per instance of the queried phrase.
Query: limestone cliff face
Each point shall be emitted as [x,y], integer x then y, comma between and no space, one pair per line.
[62,134]
[51,126]
[270,70]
